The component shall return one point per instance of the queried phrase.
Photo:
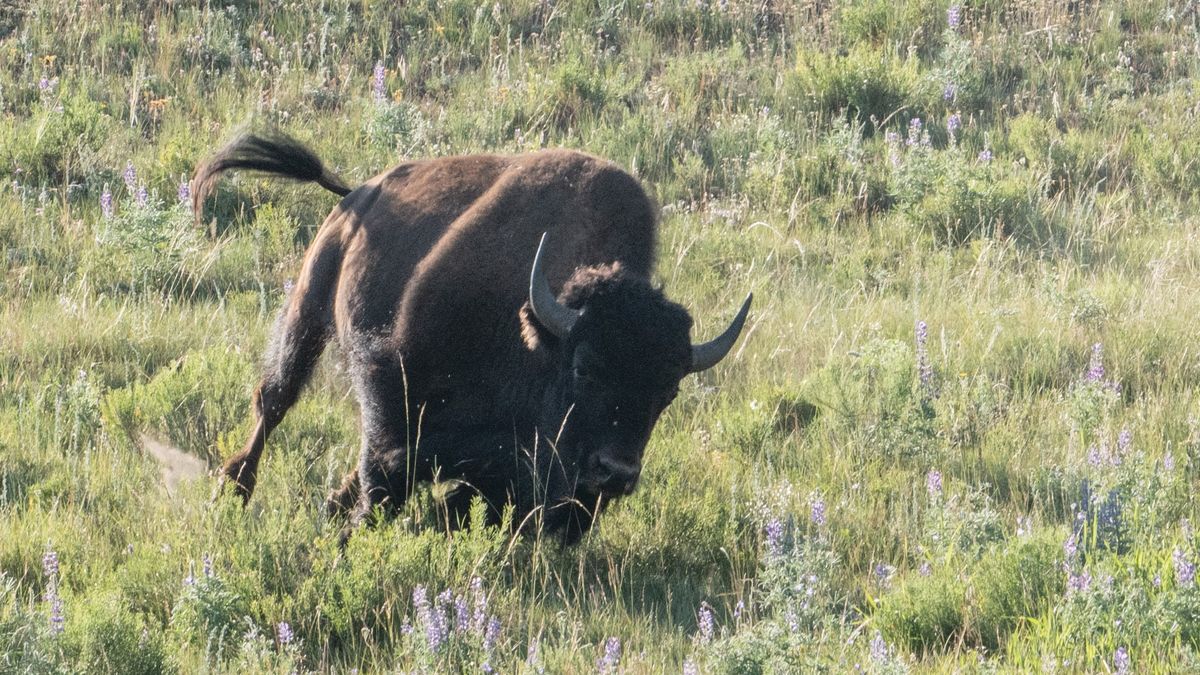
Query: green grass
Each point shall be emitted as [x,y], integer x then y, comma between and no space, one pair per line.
[800,150]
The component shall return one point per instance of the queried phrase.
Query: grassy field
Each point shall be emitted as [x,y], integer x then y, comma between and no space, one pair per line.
[961,433]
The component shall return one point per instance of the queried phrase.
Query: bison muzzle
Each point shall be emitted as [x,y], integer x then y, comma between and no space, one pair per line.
[498,322]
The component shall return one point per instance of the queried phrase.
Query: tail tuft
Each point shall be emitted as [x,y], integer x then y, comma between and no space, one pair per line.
[276,154]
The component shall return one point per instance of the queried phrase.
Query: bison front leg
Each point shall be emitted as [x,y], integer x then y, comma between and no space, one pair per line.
[385,479]
[383,482]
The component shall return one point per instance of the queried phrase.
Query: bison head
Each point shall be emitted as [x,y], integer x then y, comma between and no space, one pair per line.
[620,349]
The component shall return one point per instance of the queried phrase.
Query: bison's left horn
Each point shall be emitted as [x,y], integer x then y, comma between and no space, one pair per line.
[709,354]
[557,318]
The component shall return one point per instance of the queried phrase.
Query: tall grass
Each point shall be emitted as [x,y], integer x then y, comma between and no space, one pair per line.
[960,433]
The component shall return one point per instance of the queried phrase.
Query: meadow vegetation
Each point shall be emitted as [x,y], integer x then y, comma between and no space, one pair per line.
[961,433]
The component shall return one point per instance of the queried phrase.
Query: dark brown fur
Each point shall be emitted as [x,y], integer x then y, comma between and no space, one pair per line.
[422,276]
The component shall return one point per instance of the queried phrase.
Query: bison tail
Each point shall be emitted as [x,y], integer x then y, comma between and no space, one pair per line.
[276,154]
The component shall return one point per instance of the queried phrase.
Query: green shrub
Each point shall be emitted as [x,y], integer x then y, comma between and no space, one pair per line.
[26,644]
[104,636]
[51,144]
[146,247]
[923,613]
[397,125]
[1012,586]
[875,392]
[866,83]
[956,198]
[212,614]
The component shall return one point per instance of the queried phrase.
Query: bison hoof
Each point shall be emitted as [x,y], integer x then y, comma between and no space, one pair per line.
[242,475]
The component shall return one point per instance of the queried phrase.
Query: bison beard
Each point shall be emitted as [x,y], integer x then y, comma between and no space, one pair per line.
[467,366]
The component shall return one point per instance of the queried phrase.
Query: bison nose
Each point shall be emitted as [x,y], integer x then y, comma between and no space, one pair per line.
[614,476]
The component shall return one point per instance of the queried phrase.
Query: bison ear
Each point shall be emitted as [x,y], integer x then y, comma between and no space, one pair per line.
[533,333]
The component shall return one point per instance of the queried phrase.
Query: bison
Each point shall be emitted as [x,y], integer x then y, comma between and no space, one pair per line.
[498,322]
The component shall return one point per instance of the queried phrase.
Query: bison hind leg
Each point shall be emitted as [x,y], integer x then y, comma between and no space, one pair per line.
[290,362]
[342,500]
[299,338]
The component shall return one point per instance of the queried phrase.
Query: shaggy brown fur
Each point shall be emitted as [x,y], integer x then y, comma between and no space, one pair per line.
[422,275]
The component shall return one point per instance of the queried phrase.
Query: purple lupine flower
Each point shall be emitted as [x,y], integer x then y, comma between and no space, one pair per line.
[462,614]
[914,132]
[883,574]
[50,564]
[985,156]
[690,667]
[738,609]
[50,568]
[933,484]
[954,123]
[1185,570]
[1095,371]
[1094,457]
[817,509]
[775,538]
[1121,662]
[924,368]
[44,83]
[953,17]
[57,621]
[879,648]
[1078,583]
[284,631]
[892,139]
[491,634]
[1070,550]
[424,617]
[612,656]
[130,177]
[790,618]
[142,196]
[377,85]
[184,193]
[441,622]
[926,569]
[706,623]
[106,203]
[479,616]
[950,91]
[1168,462]
[288,285]
[1124,442]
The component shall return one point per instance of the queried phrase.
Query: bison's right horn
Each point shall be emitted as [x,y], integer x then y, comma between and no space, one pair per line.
[556,317]
[709,354]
